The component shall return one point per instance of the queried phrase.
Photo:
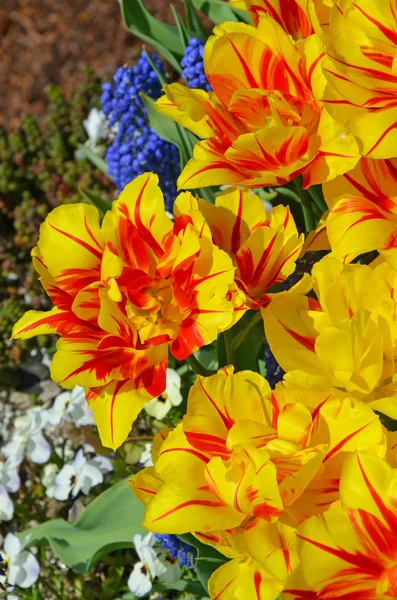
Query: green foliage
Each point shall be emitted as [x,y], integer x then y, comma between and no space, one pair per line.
[220,11]
[208,559]
[165,38]
[38,171]
[107,524]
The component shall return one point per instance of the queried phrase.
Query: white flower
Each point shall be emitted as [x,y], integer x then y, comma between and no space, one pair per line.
[9,477]
[28,439]
[139,581]
[95,126]
[151,564]
[21,566]
[6,505]
[146,456]
[48,479]
[77,476]
[102,463]
[172,572]
[160,407]
[71,405]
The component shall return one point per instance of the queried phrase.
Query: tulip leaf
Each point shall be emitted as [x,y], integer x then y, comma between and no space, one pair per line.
[220,11]
[165,38]
[208,559]
[94,158]
[183,34]
[193,21]
[108,523]
[102,205]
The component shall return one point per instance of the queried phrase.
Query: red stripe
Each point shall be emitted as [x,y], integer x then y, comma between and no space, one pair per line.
[210,503]
[257,584]
[340,445]
[145,233]
[228,423]
[93,251]
[389,33]
[223,590]
[189,451]
[247,71]
[306,340]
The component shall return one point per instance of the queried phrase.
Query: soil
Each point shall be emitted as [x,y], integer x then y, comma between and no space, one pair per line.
[48,42]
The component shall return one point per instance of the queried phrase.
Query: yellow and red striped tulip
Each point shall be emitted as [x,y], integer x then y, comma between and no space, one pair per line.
[264,246]
[125,293]
[360,68]
[352,553]
[347,336]
[257,459]
[262,125]
[299,18]
[243,475]
[363,210]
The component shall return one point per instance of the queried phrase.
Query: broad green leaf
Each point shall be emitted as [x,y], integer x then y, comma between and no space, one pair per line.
[97,201]
[108,523]
[220,11]
[208,559]
[165,38]
[93,157]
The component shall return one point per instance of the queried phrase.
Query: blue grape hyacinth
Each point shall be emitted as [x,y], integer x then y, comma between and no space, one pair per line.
[185,553]
[274,373]
[193,66]
[136,148]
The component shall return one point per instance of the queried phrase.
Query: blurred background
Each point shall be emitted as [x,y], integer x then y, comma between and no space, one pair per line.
[55,56]
[46,42]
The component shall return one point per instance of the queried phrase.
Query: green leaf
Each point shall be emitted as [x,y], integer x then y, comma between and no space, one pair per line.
[390,424]
[159,74]
[183,34]
[208,559]
[193,21]
[172,132]
[165,38]
[108,523]
[220,11]
[97,201]
[93,157]
[246,340]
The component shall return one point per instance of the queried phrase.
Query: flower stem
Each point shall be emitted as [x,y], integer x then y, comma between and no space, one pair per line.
[197,367]
[245,333]
[230,354]
[307,206]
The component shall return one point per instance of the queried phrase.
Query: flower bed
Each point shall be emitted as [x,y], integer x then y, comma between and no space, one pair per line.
[225,422]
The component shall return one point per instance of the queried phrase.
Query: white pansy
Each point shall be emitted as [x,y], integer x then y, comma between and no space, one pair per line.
[21,566]
[48,478]
[146,456]
[172,569]
[80,475]
[71,405]
[160,407]
[151,564]
[28,439]
[102,463]
[95,126]
[6,505]
[139,582]
[9,476]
